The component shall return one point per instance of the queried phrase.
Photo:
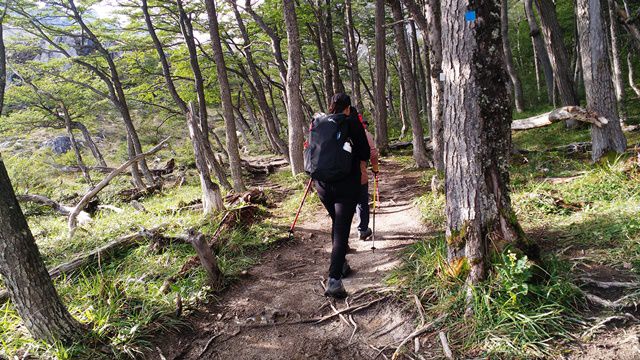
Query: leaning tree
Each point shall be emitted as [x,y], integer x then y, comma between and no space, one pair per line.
[477,133]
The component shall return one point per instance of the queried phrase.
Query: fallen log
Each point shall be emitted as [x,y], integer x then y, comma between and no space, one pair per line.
[102,254]
[167,169]
[260,167]
[102,184]
[561,114]
[83,216]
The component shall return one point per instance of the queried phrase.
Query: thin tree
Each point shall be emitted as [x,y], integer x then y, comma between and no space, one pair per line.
[558,55]
[618,81]
[257,86]
[211,196]
[411,97]
[508,57]
[477,132]
[381,135]
[353,54]
[295,115]
[430,25]
[539,48]
[225,97]
[597,79]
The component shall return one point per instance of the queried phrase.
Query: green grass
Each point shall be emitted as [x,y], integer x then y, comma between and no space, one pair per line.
[120,300]
[516,313]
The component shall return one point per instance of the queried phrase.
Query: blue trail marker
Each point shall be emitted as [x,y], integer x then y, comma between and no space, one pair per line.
[470,15]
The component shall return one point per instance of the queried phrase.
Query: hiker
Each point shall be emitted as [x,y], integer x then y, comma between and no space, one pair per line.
[337,144]
[364,231]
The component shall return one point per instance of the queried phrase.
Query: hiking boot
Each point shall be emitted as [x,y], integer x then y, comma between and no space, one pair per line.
[346,269]
[364,235]
[335,289]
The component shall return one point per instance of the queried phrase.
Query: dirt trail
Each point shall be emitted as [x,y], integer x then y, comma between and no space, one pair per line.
[260,317]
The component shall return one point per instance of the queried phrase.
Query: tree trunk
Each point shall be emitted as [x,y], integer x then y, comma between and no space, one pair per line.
[338,86]
[225,97]
[211,196]
[632,82]
[275,43]
[618,81]
[198,137]
[597,79]
[74,143]
[353,56]
[419,149]
[381,135]
[323,54]
[508,57]
[90,143]
[558,55]
[477,117]
[3,60]
[294,115]
[419,75]
[261,97]
[26,277]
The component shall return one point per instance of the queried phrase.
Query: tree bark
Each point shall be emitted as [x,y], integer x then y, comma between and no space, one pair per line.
[618,81]
[597,79]
[381,134]
[3,59]
[418,72]
[558,55]
[338,86]
[540,49]
[211,196]
[353,56]
[477,117]
[225,97]
[90,143]
[25,275]
[508,57]
[74,143]
[632,82]
[294,116]
[419,150]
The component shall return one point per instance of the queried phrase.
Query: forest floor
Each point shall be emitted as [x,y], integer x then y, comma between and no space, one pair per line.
[264,316]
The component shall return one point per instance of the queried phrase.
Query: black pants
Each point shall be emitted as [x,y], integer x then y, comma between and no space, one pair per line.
[340,202]
[363,207]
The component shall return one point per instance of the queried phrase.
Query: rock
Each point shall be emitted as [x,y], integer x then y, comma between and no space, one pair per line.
[59,145]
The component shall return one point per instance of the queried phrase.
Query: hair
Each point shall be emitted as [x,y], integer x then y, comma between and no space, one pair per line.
[339,102]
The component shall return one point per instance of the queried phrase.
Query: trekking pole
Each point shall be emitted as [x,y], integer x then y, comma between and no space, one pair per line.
[306,192]
[375,201]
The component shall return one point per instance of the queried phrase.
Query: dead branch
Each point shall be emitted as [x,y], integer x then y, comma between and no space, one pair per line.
[102,184]
[349,309]
[103,253]
[45,201]
[445,345]
[260,167]
[557,115]
[167,169]
[418,332]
